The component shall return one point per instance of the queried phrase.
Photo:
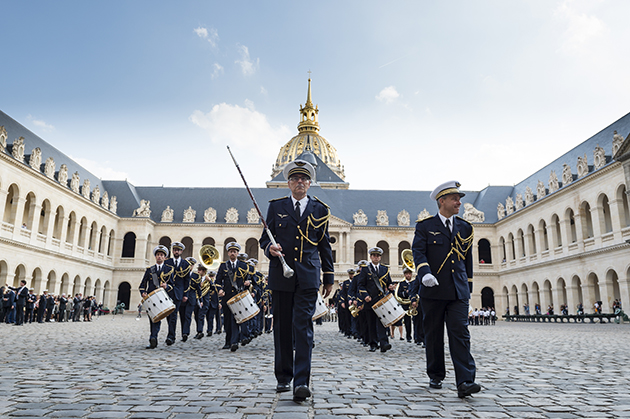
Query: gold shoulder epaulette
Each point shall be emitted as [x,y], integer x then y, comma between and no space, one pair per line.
[322,202]
[278,199]
[424,219]
[463,219]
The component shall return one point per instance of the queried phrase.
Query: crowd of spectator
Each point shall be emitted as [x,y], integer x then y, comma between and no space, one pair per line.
[482,317]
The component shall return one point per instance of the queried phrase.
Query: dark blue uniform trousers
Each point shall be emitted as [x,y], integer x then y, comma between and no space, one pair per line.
[172,321]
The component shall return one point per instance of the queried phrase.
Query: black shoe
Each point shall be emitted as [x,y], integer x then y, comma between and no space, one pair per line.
[169,342]
[226,346]
[152,343]
[408,340]
[301,393]
[199,335]
[466,389]
[218,332]
[386,347]
[282,387]
[184,338]
[435,383]
[234,347]
[401,338]
[373,348]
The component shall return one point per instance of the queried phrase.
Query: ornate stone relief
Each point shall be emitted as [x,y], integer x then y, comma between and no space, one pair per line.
[582,166]
[231,216]
[35,161]
[500,211]
[144,210]
[540,190]
[567,176]
[472,214]
[599,158]
[62,177]
[252,216]
[74,183]
[86,189]
[210,215]
[554,185]
[189,215]
[381,218]
[18,149]
[403,218]
[424,214]
[518,204]
[617,141]
[105,200]
[113,204]
[529,196]
[4,136]
[509,205]
[167,215]
[49,168]
[360,218]
[96,195]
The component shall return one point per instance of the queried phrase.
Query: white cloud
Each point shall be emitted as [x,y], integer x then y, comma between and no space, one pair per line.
[248,66]
[211,35]
[263,91]
[101,169]
[581,29]
[217,70]
[41,124]
[388,95]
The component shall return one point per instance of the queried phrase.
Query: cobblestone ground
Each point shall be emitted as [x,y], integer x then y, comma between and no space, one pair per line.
[101,370]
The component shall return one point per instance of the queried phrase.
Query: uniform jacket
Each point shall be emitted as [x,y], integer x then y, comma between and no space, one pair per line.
[448,256]
[367,283]
[165,277]
[8,299]
[208,293]
[403,292]
[180,279]
[20,295]
[305,244]
[30,301]
[343,292]
[224,280]
[194,289]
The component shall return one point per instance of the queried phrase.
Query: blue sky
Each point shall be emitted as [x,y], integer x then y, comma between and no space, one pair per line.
[411,93]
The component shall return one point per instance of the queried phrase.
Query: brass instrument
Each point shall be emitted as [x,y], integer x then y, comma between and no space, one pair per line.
[210,257]
[407,258]
[354,310]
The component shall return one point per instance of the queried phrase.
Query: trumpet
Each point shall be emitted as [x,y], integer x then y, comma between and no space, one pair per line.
[354,310]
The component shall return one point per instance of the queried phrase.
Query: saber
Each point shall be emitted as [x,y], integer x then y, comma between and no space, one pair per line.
[286,269]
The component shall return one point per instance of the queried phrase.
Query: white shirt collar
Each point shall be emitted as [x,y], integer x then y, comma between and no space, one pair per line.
[443,218]
[303,203]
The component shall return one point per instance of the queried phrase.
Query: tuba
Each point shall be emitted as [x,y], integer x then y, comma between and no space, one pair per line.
[209,256]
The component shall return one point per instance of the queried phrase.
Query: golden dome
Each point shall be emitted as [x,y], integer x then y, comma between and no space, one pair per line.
[308,139]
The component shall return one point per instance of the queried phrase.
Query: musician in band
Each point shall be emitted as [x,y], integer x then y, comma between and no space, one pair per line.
[375,283]
[403,294]
[181,282]
[299,225]
[207,300]
[442,252]
[343,306]
[413,290]
[232,278]
[187,307]
[258,289]
[155,276]
[359,323]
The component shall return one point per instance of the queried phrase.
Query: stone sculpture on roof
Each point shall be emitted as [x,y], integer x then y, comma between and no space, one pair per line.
[4,136]
[404,219]
[529,196]
[599,158]
[231,216]
[49,168]
[189,215]
[617,141]
[540,190]
[18,149]
[113,204]
[167,215]
[518,204]
[472,214]
[554,184]
[360,218]
[96,195]
[105,200]
[62,176]
[582,166]
[210,215]
[509,205]
[74,183]
[500,211]
[567,176]
[35,161]
[86,189]
[424,214]
[144,210]
[252,216]
[381,218]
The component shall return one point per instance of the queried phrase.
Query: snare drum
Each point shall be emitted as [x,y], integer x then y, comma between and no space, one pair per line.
[320,308]
[388,310]
[243,306]
[158,305]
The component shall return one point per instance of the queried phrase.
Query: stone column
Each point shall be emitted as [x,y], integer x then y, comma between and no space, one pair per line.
[572,297]
[597,221]
[616,215]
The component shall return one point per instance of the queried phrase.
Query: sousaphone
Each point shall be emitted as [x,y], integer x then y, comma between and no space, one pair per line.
[209,256]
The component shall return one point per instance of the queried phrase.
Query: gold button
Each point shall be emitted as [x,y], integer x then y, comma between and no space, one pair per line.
[280,225]
[453,270]
[297,237]
[452,261]
[296,249]
[295,259]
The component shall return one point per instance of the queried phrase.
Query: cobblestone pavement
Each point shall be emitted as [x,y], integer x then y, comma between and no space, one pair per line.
[101,370]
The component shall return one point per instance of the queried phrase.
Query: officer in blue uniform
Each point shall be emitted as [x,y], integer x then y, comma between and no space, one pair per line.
[181,282]
[412,291]
[299,225]
[442,252]
[186,308]
[158,275]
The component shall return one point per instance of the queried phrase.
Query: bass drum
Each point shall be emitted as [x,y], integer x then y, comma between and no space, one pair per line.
[243,306]
[388,310]
[158,305]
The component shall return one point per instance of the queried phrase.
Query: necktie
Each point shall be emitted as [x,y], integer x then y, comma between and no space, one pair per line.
[448,225]
[298,213]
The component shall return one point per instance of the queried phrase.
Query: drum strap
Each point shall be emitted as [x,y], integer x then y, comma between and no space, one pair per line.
[374,277]
[156,281]
[231,275]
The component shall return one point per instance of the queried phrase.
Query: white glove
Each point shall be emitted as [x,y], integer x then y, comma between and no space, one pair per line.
[428,280]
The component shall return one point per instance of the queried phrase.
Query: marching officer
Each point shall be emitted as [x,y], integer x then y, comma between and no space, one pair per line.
[442,252]
[180,283]
[187,307]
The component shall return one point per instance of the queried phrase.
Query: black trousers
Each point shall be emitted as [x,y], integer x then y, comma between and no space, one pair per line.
[377,334]
[19,314]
